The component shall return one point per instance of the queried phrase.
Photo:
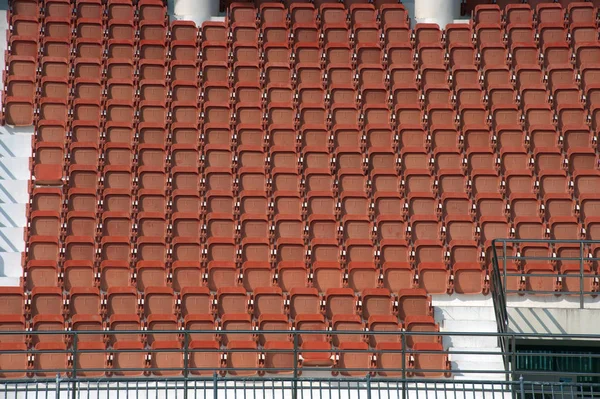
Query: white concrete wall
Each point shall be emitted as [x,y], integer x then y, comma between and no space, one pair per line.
[197,11]
[15,151]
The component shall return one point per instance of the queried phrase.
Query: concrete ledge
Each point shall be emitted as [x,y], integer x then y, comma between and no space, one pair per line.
[14,168]
[11,239]
[14,191]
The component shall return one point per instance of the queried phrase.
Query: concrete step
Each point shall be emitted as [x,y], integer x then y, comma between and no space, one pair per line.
[14,191]
[473,355]
[464,314]
[469,341]
[470,326]
[15,145]
[10,264]
[14,168]
[11,239]
[9,282]
[13,215]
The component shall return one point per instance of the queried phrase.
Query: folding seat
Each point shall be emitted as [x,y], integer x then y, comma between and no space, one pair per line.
[340,301]
[149,90]
[25,26]
[242,12]
[279,357]
[114,273]
[365,33]
[397,34]
[12,301]
[81,223]
[430,54]
[14,360]
[489,33]
[457,34]
[152,30]
[115,248]
[272,13]
[28,47]
[119,111]
[44,223]
[556,54]
[120,9]
[89,9]
[429,360]
[541,278]
[534,94]
[417,324]
[16,324]
[376,302]
[354,359]
[50,358]
[90,359]
[583,32]
[149,273]
[518,13]
[85,29]
[122,301]
[123,322]
[115,69]
[549,13]
[83,301]
[487,14]
[18,111]
[362,13]
[236,322]
[85,324]
[45,300]
[26,66]
[128,357]
[241,358]
[587,54]
[539,114]
[393,13]
[520,34]
[581,159]
[413,302]
[461,54]
[151,10]
[51,328]
[551,33]
[121,29]
[492,55]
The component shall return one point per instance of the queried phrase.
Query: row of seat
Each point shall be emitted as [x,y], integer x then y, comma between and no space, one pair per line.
[142,10]
[240,358]
[504,8]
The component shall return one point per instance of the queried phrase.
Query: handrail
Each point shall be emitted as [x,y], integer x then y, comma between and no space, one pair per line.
[499,278]
[406,362]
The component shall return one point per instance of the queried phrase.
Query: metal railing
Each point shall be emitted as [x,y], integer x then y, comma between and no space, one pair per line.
[503,260]
[401,362]
[215,387]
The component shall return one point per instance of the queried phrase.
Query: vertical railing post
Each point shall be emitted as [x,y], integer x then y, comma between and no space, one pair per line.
[580,275]
[57,385]
[403,353]
[504,278]
[75,338]
[215,382]
[295,381]
[513,353]
[185,364]
[368,385]
[522,387]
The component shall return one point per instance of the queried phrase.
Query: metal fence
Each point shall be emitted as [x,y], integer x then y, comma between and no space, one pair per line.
[501,360]
[508,255]
[216,387]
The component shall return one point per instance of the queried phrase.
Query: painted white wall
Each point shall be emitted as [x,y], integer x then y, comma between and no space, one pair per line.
[441,12]
[197,11]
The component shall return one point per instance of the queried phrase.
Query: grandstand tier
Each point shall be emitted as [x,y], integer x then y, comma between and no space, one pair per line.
[304,166]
